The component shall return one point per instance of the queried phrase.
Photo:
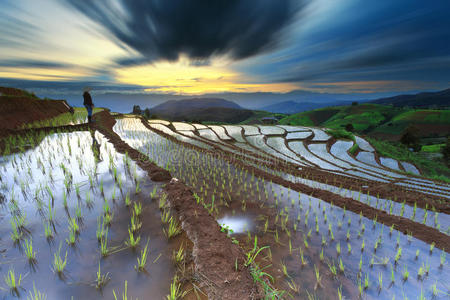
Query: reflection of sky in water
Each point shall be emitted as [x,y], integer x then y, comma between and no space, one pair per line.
[239,224]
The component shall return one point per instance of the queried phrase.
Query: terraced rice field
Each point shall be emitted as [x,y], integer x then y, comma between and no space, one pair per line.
[308,219]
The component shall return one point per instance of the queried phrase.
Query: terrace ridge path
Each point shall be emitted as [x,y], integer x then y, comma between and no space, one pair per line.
[214,253]
[405,225]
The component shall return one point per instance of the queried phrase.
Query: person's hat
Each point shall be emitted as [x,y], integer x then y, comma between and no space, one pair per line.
[87,89]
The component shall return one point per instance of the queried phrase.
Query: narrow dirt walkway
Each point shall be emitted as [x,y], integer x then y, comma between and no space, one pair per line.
[215,256]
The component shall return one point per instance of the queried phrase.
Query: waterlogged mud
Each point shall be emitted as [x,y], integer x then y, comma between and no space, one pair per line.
[214,254]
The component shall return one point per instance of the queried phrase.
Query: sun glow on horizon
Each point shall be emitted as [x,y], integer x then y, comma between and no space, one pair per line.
[182,78]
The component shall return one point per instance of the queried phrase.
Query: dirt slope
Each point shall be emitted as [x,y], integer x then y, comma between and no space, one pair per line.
[18,107]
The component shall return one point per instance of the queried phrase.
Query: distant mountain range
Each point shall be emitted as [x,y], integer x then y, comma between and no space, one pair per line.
[440,99]
[428,99]
[201,109]
[292,107]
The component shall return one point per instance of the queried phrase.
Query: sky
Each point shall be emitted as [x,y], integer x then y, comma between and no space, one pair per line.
[194,47]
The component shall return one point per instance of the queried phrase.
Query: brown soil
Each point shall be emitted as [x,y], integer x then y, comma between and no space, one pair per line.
[18,109]
[419,231]
[214,253]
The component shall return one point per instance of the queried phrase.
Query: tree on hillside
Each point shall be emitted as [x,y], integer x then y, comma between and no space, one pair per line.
[349,127]
[446,152]
[147,113]
[354,103]
[137,110]
[410,138]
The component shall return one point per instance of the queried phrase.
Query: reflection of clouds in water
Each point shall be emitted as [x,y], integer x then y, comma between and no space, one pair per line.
[237,224]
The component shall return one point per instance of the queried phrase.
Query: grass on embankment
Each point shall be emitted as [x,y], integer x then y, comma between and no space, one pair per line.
[79,116]
[344,134]
[434,169]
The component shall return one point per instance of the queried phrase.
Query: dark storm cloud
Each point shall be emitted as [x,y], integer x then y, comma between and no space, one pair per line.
[197,28]
[29,63]
[366,40]
[69,87]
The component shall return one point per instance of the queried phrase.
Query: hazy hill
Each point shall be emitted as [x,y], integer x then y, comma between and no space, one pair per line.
[201,109]
[429,99]
[292,107]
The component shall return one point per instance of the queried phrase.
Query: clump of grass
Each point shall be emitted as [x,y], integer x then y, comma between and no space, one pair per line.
[142,260]
[13,282]
[124,293]
[102,279]
[59,264]
[132,241]
[175,290]
[318,278]
[178,256]
[36,295]
[174,228]
[48,231]
[138,208]
[405,273]
[104,244]
[29,251]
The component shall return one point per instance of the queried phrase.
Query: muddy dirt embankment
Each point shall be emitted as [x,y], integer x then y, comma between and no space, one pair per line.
[17,108]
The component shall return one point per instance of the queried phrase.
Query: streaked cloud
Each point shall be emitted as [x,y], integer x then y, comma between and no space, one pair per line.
[201,46]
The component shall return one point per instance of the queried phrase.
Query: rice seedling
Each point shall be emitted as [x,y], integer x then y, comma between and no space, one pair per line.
[318,278]
[417,254]
[398,255]
[136,224]
[104,244]
[29,251]
[392,275]
[432,247]
[174,228]
[302,258]
[332,268]
[127,200]
[366,281]
[405,273]
[142,260]
[36,295]
[137,208]
[340,297]
[59,264]
[13,281]
[338,248]
[153,193]
[124,293]
[284,269]
[178,256]
[341,266]
[293,286]
[132,241]
[16,235]
[48,231]
[442,259]
[305,242]
[434,290]
[101,279]
[363,245]
[175,290]
[421,272]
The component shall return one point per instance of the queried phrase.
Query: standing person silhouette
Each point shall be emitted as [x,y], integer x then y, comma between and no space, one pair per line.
[88,103]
